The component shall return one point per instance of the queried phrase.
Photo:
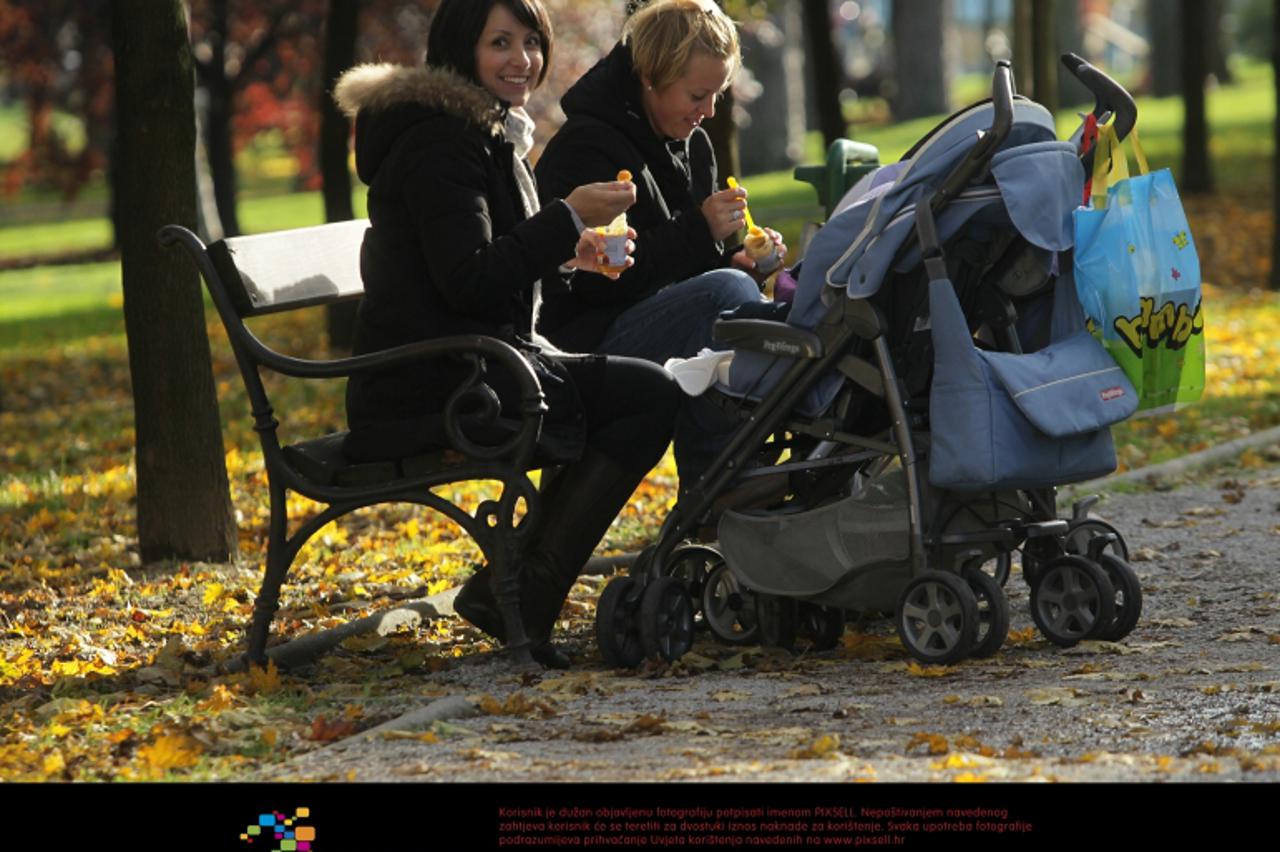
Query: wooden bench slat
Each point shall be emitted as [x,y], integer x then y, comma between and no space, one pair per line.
[286,270]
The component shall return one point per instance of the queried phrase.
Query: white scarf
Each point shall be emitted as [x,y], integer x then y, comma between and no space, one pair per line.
[518,129]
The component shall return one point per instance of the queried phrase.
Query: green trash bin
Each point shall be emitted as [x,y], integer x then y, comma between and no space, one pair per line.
[847,163]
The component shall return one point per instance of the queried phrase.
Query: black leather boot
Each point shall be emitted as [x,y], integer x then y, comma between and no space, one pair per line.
[475,602]
[577,508]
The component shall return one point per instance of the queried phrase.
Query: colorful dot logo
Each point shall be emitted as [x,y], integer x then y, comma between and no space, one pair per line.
[287,834]
[1180,240]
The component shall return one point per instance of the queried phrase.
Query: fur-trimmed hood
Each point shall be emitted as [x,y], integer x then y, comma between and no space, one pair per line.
[385,100]
[379,87]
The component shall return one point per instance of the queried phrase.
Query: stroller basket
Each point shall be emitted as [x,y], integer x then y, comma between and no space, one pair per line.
[850,544]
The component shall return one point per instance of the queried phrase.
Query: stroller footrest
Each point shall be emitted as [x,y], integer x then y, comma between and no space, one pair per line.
[993,535]
[1042,529]
[771,338]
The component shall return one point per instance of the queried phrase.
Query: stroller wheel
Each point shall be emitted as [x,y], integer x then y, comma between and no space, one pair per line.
[824,625]
[1081,533]
[692,565]
[1072,600]
[993,612]
[617,624]
[728,608]
[666,619]
[937,618]
[1128,597]
[779,619]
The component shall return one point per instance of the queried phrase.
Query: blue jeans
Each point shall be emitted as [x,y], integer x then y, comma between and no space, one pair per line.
[676,322]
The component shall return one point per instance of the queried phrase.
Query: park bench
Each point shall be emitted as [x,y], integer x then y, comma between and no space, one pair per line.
[307,267]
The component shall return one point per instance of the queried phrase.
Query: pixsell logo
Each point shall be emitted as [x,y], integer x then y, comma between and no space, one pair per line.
[282,833]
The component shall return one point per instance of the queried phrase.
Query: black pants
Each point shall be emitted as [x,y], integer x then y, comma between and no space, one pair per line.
[630,407]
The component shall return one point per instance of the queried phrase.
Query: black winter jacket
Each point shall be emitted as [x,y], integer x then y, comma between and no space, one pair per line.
[449,249]
[607,131]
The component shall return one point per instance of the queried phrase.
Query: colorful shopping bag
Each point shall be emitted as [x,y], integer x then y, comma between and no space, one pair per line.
[1138,277]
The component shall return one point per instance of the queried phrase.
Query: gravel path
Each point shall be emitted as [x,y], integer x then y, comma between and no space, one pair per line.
[1193,694]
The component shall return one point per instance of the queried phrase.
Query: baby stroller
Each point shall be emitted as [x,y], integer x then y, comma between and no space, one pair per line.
[931,387]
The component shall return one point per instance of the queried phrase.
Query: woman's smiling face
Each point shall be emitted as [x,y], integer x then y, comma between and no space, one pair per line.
[675,110]
[508,57]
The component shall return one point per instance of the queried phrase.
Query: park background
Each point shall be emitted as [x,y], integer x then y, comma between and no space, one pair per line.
[111,650]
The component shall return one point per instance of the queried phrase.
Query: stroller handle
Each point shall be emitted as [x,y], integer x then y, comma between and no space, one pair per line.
[1002,98]
[1109,96]
[991,140]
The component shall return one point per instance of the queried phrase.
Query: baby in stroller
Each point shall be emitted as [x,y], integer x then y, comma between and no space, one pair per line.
[931,387]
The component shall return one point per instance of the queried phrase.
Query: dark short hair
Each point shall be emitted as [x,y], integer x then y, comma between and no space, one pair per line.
[458,25]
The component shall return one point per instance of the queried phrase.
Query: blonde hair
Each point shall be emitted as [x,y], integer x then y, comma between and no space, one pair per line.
[664,34]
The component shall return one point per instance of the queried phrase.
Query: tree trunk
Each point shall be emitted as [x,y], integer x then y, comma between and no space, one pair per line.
[184,506]
[1068,35]
[920,58]
[828,76]
[1166,50]
[1044,55]
[1197,177]
[1220,44]
[1275,156]
[218,141]
[335,133]
[1023,50]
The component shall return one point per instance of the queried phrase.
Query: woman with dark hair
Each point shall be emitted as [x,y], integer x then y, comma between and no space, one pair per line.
[458,243]
[640,109]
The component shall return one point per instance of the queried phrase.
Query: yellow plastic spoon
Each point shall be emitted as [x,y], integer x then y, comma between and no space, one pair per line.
[733,184]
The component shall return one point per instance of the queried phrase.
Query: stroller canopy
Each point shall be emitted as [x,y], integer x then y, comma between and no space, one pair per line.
[1037,184]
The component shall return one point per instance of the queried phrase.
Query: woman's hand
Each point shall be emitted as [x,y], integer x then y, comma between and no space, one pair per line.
[598,204]
[744,261]
[723,212]
[589,254]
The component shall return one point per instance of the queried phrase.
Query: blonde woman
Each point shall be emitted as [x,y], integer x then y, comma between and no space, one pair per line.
[641,109]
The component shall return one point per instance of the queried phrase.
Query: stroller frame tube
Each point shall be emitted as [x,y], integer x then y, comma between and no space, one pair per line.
[767,416]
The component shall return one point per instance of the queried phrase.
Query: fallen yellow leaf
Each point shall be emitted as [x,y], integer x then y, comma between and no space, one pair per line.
[171,751]
[212,592]
[970,778]
[824,746]
[53,763]
[264,680]
[936,743]
[916,670]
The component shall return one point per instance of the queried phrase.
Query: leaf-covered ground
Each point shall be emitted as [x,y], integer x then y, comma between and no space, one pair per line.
[1190,695]
[109,669]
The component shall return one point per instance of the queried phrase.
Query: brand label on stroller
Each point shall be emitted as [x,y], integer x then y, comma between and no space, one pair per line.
[1111,393]
[781,347]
